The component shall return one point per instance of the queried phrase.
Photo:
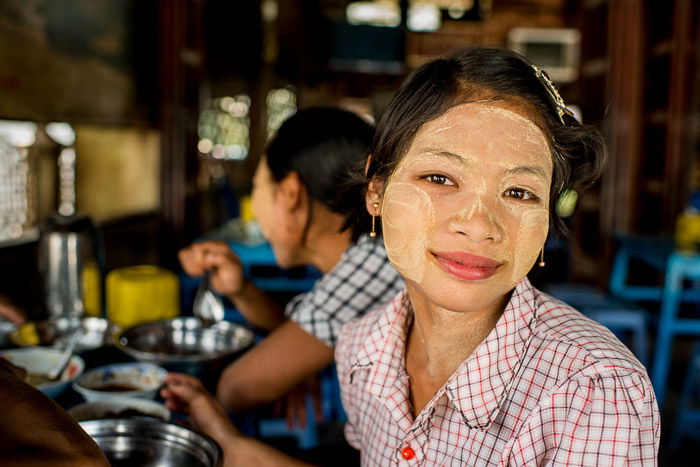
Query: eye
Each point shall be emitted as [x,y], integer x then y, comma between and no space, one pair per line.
[437,179]
[521,194]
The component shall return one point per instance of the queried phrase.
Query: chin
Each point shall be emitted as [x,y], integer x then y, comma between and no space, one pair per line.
[462,296]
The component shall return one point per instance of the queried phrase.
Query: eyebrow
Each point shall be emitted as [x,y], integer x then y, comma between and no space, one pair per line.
[527,169]
[524,169]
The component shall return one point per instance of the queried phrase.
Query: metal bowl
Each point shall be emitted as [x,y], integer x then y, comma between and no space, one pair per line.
[149,442]
[185,344]
[56,331]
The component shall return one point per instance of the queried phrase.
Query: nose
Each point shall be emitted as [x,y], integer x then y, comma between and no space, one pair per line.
[476,221]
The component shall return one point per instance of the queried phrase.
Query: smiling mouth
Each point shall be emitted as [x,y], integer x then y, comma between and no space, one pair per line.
[467,267]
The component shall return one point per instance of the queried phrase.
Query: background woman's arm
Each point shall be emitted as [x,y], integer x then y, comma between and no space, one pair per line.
[283,360]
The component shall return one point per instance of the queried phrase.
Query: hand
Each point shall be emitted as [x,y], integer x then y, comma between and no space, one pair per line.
[227,276]
[10,311]
[186,394]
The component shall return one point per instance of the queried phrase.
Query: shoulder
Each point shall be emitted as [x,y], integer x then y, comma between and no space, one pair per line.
[577,341]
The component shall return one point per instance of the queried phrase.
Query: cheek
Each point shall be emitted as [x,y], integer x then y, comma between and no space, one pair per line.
[529,240]
[407,217]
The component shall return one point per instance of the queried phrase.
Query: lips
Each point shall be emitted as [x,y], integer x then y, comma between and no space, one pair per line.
[467,267]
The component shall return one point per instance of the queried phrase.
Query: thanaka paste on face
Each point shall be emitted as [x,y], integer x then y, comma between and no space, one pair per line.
[489,139]
[405,255]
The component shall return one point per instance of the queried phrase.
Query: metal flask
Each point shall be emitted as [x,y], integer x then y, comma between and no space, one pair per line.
[68,261]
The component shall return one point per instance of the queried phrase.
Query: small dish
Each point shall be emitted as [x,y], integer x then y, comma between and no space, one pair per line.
[38,361]
[119,407]
[121,379]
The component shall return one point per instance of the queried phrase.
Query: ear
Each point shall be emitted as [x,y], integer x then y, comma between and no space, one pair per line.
[368,163]
[290,191]
[373,197]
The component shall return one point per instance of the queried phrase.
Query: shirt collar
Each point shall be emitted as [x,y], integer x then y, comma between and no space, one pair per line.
[479,385]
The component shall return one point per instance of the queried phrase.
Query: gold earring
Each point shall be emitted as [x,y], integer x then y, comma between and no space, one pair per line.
[541,263]
[373,233]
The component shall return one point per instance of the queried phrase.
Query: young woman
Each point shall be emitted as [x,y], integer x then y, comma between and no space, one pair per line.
[471,365]
[309,219]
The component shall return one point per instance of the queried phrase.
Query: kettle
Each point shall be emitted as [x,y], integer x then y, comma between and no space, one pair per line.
[69,262]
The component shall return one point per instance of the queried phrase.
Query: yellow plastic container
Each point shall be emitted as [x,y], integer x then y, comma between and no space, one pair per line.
[141,294]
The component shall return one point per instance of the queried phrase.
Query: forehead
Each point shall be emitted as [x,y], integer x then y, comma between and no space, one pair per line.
[490,132]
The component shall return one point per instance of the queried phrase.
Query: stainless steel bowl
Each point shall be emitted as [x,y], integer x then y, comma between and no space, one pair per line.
[148,442]
[185,344]
[97,332]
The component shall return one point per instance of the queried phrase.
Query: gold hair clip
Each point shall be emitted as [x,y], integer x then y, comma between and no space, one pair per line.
[553,92]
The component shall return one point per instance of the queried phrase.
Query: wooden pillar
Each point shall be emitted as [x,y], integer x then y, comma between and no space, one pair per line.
[677,162]
[625,87]
[181,57]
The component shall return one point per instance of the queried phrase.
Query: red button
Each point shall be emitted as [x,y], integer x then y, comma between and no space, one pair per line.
[407,453]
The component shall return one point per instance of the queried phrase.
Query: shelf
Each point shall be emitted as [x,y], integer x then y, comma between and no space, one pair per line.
[31,235]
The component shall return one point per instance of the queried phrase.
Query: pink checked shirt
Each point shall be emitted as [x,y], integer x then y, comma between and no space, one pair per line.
[547,386]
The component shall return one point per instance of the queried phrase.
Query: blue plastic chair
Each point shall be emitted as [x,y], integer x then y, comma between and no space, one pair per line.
[331,410]
[681,267]
[688,417]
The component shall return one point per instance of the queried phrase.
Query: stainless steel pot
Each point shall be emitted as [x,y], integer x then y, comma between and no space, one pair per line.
[143,441]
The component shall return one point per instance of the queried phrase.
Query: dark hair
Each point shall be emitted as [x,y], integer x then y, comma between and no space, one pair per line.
[325,146]
[578,151]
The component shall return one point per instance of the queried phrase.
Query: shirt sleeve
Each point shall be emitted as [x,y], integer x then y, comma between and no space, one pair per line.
[361,281]
[603,421]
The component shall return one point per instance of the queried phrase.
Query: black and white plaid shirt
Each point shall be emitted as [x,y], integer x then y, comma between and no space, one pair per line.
[361,281]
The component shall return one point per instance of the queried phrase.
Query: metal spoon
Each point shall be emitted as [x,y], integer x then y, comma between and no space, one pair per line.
[57,370]
[207,305]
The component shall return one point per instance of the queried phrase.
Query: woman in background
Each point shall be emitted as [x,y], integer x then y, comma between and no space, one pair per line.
[310,218]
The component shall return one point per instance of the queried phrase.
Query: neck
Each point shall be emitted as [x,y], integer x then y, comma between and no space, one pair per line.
[325,244]
[439,340]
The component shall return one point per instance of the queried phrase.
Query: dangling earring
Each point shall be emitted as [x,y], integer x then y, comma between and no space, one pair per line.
[373,233]
[541,263]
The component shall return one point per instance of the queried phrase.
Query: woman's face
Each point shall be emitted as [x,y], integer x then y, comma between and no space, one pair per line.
[272,215]
[465,213]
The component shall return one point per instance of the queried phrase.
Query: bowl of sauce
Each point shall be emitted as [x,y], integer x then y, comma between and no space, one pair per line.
[133,379]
